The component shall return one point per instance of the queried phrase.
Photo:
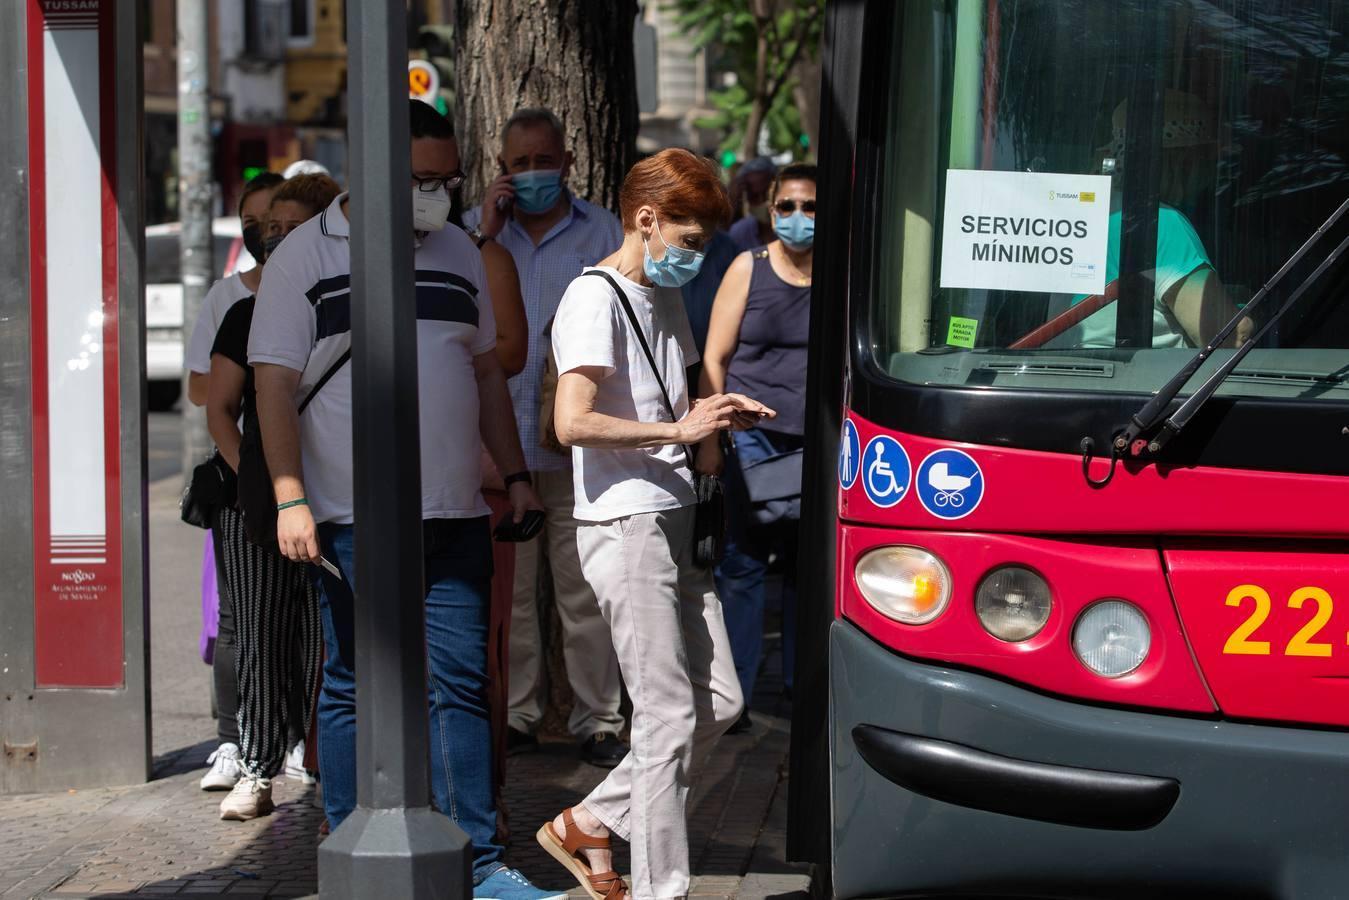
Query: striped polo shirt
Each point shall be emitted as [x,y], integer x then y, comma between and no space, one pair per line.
[303,322]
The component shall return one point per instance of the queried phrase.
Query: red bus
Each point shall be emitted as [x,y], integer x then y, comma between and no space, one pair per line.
[1078,623]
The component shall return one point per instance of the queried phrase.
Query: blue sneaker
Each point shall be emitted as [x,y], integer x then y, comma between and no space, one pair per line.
[509,884]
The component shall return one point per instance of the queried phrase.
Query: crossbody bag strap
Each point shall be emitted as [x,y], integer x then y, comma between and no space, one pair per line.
[646,348]
[332,370]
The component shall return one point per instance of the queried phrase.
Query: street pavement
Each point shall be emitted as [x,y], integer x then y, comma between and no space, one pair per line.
[165,837]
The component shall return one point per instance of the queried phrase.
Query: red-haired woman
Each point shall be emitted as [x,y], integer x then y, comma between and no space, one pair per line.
[635,500]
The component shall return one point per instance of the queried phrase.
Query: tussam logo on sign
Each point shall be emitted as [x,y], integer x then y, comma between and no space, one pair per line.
[1081,196]
[1025,231]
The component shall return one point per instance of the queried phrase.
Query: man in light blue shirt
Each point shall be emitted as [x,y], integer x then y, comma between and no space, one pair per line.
[552,235]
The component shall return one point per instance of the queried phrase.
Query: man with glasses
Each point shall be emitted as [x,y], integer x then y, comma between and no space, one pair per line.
[298,346]
[552,235]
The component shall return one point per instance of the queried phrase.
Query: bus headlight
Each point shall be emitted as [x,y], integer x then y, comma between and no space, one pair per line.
[906,584]
[1112,638]
[1013,603]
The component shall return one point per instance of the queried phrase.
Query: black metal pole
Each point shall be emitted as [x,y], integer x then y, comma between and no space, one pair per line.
[1142,180]
[393,844]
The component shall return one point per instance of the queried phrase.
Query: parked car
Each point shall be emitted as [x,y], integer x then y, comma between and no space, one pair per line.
[165,331]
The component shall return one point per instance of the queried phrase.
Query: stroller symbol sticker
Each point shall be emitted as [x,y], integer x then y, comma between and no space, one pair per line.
[850,448]
[886,471]
[950,484]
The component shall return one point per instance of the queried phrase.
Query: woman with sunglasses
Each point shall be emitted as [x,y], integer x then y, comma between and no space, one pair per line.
[756,345]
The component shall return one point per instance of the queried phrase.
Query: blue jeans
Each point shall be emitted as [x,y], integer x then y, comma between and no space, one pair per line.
[744,563]
[458,572]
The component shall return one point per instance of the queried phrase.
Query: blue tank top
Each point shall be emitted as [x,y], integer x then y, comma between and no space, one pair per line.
[769,363]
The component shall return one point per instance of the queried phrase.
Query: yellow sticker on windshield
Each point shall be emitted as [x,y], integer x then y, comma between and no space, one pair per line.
[961,332]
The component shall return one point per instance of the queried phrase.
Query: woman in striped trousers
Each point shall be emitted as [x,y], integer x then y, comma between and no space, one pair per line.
[279,637]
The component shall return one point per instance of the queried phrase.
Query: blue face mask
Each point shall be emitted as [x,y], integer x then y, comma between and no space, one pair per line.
[676,268]
[537,191]
[796,231]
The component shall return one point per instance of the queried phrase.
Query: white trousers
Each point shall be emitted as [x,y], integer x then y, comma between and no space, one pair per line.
[592,668]
[675,656]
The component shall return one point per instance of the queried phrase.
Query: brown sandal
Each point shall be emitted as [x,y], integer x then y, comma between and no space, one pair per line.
[567,850]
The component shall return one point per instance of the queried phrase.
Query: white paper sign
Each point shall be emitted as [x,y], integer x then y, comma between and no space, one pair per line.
[1025,231]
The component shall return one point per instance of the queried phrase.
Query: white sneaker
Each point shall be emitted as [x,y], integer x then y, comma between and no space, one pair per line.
[295,765]
[250,798]
[225,770]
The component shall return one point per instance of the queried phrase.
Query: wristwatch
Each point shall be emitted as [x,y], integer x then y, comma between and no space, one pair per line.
[518,476]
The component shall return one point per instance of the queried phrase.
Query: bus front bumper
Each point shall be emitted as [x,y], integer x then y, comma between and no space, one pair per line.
[948,782]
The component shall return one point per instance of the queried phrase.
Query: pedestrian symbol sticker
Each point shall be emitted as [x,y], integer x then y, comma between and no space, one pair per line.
[886,471]
[850,448]
[950,484]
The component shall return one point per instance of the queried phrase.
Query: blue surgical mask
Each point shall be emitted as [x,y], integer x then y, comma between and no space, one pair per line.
[676,268]
[537,191]
[797,231]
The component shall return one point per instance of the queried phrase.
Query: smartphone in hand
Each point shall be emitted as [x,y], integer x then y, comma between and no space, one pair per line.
[510,531]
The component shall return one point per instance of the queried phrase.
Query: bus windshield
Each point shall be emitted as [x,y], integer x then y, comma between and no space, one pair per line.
[1075,194]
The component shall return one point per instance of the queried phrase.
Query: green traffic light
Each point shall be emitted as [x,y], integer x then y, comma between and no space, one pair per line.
[251,172]
[727,159]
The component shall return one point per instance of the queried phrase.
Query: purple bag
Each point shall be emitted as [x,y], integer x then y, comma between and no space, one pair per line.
[210,603]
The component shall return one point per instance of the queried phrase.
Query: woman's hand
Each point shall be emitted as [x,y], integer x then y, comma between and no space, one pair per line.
[710,460]
[719,413]
[749,413]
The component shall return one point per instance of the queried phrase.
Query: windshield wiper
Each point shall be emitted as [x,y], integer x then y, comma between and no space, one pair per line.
[1181,417]
[1150,415]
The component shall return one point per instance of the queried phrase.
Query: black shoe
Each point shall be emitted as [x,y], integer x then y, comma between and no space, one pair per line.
[603,749]
[742,724]
[518,741]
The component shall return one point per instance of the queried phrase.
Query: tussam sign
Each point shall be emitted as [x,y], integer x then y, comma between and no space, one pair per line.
[1025,231]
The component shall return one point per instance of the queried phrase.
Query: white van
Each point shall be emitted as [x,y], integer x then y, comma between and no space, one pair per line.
[165,331]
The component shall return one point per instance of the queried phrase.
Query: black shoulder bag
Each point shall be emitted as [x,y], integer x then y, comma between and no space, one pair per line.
[257,499]
[709,519]
[212,486]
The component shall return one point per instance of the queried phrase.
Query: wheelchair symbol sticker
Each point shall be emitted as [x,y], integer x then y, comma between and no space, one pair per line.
[850,448]
[950,484]
[886,471]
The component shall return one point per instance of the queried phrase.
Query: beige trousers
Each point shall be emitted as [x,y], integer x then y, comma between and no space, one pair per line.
[676,659]
[592,668]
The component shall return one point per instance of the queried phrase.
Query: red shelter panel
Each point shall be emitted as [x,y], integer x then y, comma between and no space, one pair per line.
[74,308]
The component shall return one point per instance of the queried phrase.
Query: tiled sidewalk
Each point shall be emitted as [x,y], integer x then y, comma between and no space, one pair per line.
[164,838]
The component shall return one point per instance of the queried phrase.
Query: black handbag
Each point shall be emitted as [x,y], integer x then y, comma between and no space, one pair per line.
[709,514]
[257,499]
[774,487]
[212,486]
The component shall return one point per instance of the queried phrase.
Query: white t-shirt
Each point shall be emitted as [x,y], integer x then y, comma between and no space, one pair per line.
[591,329]
[223,294]
[303,321]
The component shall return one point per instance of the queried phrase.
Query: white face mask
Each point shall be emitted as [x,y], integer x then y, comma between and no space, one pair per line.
[430,209]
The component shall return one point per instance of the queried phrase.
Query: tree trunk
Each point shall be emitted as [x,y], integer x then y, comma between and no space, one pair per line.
[806,94]
[574,57]
[759,98]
